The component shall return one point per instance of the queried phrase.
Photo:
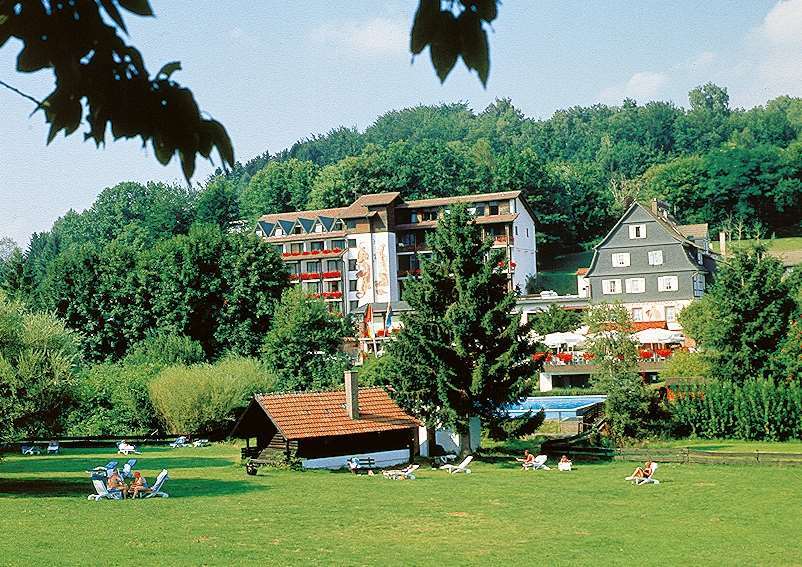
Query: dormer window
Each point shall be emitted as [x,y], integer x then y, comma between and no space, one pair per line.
[492,207]
[297,229]
[637,231]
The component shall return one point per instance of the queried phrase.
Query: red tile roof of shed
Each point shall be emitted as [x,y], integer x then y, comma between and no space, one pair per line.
[322,414]
[643,325]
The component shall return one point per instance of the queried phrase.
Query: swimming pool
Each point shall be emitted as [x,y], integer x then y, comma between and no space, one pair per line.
[556,407]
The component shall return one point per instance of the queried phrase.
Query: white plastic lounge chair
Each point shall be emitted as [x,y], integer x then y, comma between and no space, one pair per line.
[201,443]
[30,450]
[128,467]
[646,479]
[53,448]
[462,467]
[405,473]
[127,449]
[179,442]
[540,463]
[101,490]
[156,489]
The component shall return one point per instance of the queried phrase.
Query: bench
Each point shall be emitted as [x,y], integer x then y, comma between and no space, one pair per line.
[356,464]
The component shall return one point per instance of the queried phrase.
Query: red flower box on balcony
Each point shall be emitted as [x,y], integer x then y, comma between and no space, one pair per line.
[664,352]
[332,274]
[646,354]
[565,356]
[588,355]
[293,276]
[332,294]
[310,276]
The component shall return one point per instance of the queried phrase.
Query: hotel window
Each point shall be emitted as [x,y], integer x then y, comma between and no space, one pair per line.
[352,243]
[353,305]
[316,245]
[297,229]
[278,232]
[338,225]
[637,314]
[480,210]
[297,247]
[656,258]
[492,207]
[414,218]
[408,239]
[635,285]
[671,314]
[429,214]
[516,231]
[350,223]
[313,267]
[332,265]
[312,287]
[621,260]
[698,285]
[293,267]
[351,265]
[318,227]
[332,286]
[637,231]
[610,287]
[667,283]
[341,244]
[351,285]
[527,233]
[279,248]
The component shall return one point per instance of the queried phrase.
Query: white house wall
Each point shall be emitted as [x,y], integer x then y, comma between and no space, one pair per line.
[523,251]
[383,459]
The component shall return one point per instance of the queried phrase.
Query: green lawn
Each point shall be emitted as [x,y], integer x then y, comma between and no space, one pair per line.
[559,274]
[720,515]
[788,244]
[729,445]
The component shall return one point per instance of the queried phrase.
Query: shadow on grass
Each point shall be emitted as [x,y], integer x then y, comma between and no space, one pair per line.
[183,488]
[144,462]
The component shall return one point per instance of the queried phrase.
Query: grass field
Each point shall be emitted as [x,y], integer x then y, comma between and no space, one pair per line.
[720,515]
[559,274]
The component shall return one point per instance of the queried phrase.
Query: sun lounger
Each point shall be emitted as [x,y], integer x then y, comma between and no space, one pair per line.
[179,442]
[101,490]
[201,443]
[128,467]
[405,473]
[156,489]
[645,479]
[30,450]
[127,449]
[538,464]
[462,467]
[53,448]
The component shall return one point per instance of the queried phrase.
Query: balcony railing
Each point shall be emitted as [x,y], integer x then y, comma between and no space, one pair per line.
[502,239]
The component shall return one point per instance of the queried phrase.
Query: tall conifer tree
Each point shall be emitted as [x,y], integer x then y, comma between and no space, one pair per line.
[462,353]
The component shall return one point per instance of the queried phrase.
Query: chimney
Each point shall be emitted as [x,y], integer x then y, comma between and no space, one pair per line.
[351,394]
[722,243]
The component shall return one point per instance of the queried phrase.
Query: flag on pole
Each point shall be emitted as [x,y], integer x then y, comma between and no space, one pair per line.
[368,321]
[388,320]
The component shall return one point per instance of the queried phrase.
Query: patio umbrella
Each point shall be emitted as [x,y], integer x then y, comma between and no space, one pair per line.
[554,340]
[658,336]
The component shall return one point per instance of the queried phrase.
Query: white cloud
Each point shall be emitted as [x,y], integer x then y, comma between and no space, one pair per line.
[642,86]
[782,26]
[373,37]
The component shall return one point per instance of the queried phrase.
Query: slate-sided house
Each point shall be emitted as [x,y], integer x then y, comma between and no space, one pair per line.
[324,429]
[651,264]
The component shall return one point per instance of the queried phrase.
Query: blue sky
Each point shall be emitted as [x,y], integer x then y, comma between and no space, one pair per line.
[274,72]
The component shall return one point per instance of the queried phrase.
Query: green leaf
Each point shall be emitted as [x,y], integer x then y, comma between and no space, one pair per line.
[113,13]
[445,47]
[168,69]
[473,38]
[138,7]
[424,25]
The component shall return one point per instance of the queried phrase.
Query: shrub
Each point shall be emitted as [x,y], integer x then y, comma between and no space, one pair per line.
[207,398]
[165,349]
[113,399]
[755,410]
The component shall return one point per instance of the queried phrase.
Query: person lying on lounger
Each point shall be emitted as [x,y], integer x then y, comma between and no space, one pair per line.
[138,485]
[644,472]
[565,463]
[528,459]
[115,483]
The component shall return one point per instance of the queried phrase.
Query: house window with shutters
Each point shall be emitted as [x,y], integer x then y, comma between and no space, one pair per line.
[610,287]
[637,314]
[635,285]
[637,231]
[671,314]
[656,258]
[621,259]
[667,283]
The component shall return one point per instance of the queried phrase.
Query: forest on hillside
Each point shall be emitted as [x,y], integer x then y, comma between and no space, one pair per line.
[153,257]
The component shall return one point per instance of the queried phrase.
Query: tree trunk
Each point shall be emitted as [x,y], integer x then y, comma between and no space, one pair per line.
[431,440]
[464,442]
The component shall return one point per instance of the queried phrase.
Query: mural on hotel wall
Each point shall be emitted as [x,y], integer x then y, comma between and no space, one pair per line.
[363,283]
[382,275]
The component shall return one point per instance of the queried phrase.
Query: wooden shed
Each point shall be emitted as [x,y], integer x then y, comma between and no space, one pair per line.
[324,429]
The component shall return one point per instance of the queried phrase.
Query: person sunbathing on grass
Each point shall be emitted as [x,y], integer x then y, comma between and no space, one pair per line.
[528,460]
[115,483]
[138,485]
[565,463]
[644,472]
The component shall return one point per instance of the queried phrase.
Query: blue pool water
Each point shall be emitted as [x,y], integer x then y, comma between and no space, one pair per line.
[556,407]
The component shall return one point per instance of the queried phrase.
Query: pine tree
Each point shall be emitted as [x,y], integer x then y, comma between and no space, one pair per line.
[462,353]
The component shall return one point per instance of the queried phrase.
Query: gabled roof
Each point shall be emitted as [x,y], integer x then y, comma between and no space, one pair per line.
[480,198]
[305,415]
[693,230]
[377,199]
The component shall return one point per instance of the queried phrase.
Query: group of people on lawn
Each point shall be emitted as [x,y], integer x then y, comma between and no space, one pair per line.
[115,483]
[565,464]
